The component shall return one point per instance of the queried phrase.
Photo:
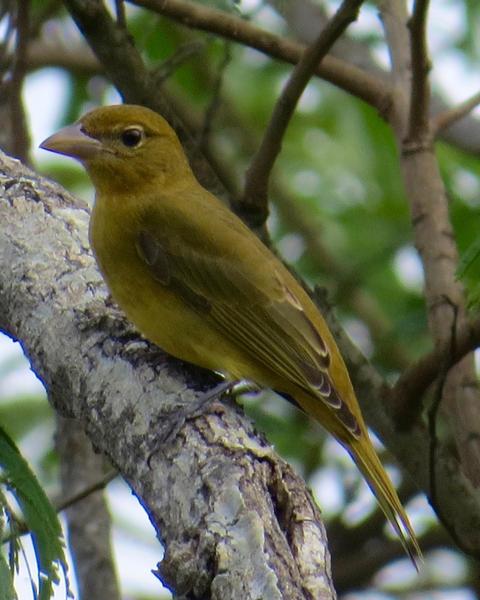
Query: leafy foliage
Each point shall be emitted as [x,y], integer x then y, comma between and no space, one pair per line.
[40,520]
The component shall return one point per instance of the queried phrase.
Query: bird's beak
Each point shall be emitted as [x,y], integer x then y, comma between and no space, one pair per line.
[72,141]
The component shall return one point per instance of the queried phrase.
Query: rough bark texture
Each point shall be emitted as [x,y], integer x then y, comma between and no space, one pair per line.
[435,242]
[235,520]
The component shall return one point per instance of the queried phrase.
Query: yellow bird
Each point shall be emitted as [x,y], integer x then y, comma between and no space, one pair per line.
[196,281]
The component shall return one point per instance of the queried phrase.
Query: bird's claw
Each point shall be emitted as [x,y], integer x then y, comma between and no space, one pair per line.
[188,413]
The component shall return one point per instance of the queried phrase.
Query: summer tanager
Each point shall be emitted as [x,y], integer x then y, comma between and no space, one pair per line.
[196,281]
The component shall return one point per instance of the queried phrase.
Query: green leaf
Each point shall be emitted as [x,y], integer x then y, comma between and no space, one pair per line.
[6,587]
[7,591]
[40,517]
[470,256]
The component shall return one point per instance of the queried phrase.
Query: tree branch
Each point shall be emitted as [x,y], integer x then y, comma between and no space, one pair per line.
[450,116]
[20,138]
[418,377]
[306,17]
[95,486]
[255,195]
[72,56]
[120,12]
[357,569]
[363,85]
[418,127]
[115,50]
[434,238]
[393,15]
[222,502]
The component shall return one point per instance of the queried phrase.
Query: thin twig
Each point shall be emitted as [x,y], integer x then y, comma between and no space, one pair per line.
[359,83]
[72,56]
[20,135]
[120,12]
[21,527]
[354,570]
[41,14]
[420,90]
[258,174]
[6,13]
[452,115]
[435,407]
[123,64]
[418,377]
[212,108]
[168,66]
[89,489]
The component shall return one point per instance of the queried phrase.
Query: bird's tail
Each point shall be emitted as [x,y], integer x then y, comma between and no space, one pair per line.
[372,469]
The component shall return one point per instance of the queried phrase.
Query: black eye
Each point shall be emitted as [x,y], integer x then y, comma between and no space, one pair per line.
[132,136]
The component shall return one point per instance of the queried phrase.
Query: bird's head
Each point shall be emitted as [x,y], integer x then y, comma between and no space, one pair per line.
[123,146]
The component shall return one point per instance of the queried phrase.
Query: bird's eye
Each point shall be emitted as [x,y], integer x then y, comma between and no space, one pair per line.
[132,136]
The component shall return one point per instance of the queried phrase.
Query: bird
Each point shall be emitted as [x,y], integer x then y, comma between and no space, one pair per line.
[196,281]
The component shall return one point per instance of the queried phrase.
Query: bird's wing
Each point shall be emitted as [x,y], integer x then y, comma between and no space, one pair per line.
[261,315]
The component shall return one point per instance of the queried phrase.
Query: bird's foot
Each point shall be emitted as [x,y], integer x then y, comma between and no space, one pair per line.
[192,411]
[102,315]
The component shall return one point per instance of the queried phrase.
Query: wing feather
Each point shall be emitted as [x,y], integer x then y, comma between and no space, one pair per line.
[265,318]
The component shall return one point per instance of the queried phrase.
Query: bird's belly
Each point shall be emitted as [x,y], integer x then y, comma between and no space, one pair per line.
[166,320]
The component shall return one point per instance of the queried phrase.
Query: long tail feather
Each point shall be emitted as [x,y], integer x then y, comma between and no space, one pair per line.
[372,469]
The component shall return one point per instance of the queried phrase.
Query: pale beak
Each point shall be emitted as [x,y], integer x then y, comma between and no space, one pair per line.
[72,141]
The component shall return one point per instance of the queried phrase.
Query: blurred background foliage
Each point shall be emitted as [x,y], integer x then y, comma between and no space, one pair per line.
[338,215]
